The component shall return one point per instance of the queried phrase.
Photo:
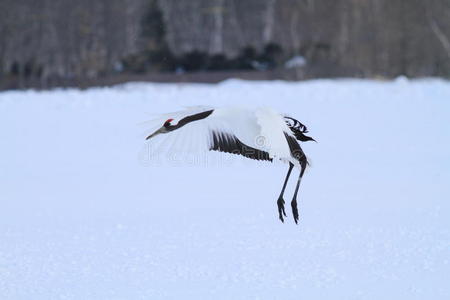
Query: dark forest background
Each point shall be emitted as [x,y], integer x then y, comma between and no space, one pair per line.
[46,43]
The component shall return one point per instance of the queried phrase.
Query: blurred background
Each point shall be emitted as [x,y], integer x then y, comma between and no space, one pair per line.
[88,212]
[84,43]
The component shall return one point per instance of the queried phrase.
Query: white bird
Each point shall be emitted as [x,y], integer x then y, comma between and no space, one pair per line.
[261,134]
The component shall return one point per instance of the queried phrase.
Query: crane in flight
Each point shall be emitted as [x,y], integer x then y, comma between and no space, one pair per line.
[260,134]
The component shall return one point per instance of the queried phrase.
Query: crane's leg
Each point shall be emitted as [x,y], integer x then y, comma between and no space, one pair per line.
[280,201]
[303,164]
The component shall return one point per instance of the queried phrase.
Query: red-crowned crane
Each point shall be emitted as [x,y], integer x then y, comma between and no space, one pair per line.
[261,134]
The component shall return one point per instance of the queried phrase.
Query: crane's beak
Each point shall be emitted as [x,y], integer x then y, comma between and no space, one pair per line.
[161,130]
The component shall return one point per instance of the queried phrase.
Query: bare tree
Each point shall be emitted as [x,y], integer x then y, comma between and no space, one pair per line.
[64,40]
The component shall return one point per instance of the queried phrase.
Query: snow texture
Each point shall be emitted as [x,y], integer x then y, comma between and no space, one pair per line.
[88,213]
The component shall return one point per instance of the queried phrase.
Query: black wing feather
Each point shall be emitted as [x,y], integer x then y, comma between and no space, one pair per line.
[298,129]
[225,142]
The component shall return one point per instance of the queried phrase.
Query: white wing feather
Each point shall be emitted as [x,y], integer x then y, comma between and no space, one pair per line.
[273,129]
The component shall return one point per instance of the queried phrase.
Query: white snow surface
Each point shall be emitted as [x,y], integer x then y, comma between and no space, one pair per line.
[86,213]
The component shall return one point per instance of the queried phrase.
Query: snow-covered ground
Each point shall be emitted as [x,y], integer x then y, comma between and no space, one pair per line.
[86,213]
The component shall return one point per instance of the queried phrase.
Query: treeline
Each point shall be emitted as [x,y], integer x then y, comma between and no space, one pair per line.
[361,37]
[248,58]
[57,41]
[50,42]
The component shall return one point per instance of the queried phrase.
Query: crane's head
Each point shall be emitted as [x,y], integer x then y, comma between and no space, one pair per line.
[167,127]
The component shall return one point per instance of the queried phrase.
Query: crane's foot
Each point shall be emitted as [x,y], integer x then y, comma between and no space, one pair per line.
[281,211]
[294,210]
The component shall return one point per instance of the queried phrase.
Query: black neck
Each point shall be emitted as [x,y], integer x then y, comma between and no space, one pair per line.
[190,119]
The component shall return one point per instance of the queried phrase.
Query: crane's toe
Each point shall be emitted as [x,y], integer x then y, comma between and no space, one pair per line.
[281,210]
[295,210]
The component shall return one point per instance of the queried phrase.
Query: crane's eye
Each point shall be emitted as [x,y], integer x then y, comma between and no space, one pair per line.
[167,123]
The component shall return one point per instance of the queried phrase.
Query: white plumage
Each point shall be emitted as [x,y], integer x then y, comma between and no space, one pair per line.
[261,134]
[263,129]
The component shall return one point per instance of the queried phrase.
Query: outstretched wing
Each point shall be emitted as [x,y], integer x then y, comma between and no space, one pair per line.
[229,130]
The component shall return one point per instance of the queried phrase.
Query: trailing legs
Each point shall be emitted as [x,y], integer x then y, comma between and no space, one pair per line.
[280,201]
[303,164]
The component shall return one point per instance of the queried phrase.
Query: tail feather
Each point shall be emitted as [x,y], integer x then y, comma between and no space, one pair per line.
[298,129]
